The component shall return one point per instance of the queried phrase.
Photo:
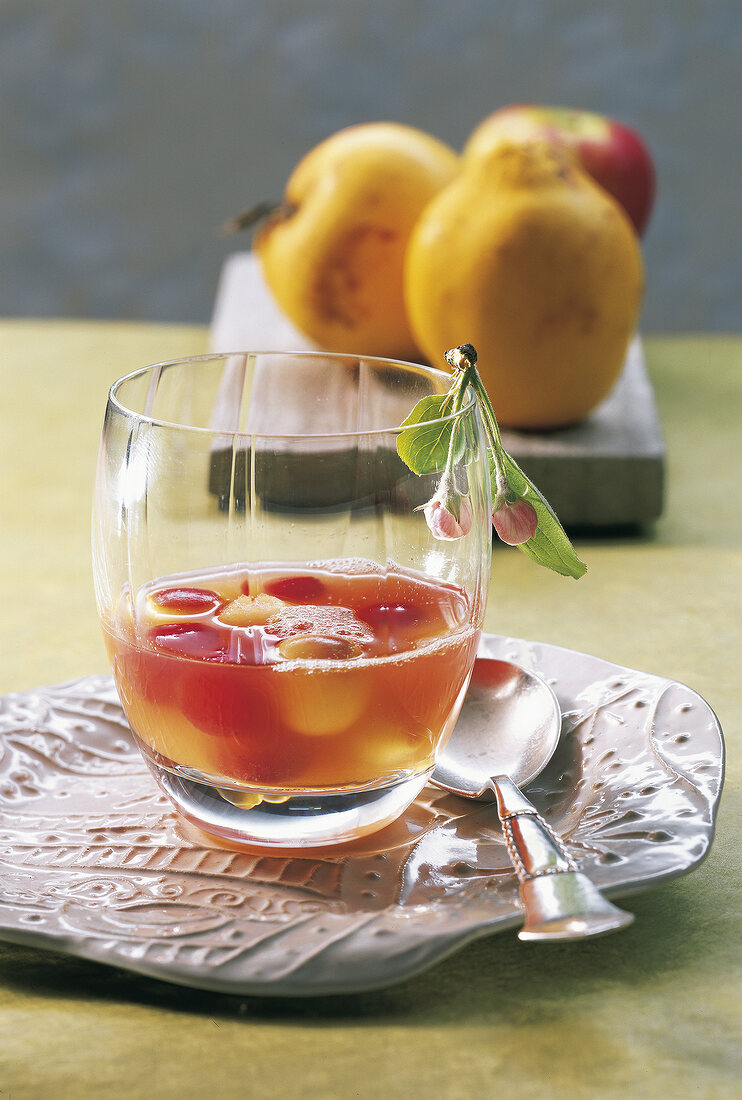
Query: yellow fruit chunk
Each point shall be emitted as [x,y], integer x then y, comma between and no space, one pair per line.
[245,800]
[333,254]
[309,620]
[251,610]
[317,703]
[315,647]
[393,748]
[529,260]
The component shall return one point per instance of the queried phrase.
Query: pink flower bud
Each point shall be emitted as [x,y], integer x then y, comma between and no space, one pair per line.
[515,523]
[442,521]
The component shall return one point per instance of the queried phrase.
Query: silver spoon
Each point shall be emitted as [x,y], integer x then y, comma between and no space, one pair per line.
[506,734]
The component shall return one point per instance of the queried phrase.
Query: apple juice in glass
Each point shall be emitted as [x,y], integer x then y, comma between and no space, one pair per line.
[290,642]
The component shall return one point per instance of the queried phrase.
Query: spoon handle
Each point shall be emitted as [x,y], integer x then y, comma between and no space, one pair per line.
[560,902]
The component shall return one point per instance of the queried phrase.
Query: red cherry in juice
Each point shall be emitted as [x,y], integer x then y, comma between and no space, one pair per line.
[239,711]
[187,601]
[297,589]
[226,701]
[393,623]
[199,640]
[391,616]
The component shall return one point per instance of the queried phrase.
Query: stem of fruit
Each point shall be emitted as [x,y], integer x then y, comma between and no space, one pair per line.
[246,219]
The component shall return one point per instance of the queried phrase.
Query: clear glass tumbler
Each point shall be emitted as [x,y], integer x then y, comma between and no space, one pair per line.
[290,642]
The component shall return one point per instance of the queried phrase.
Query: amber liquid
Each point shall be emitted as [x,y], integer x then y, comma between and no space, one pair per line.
[290,679]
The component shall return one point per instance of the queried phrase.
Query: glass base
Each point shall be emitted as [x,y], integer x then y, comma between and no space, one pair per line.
[305,820]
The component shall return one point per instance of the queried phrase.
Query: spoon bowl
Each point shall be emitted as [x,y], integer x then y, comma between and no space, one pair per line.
[510,724]
[507,732]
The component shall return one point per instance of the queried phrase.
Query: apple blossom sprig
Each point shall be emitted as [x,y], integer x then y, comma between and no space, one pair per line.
[521,516]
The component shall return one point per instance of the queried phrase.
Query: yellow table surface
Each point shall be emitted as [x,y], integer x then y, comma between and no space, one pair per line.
[653,1011]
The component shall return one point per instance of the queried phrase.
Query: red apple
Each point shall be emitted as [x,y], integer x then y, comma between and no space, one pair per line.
[613,154]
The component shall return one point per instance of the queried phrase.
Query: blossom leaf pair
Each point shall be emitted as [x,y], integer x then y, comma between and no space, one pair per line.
[432,441]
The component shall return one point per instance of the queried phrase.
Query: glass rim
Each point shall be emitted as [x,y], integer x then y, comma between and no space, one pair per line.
[420,368]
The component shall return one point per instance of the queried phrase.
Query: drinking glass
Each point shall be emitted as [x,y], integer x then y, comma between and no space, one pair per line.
[290,642]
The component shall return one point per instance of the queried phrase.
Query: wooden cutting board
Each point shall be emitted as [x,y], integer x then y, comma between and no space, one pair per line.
[607,471]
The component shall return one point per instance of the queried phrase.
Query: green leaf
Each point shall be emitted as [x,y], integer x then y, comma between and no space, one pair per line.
[425,443]
[550,546]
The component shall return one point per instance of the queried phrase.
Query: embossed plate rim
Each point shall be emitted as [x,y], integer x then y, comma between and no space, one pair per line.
[352,949]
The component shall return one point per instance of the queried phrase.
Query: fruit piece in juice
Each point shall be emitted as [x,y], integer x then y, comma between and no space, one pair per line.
[393,747]
[190,639]
[296,589]
[322,621]
[185,601]
[251,610]
[318,647]
[393,616]
[320,703]
[238,710]
[395,624]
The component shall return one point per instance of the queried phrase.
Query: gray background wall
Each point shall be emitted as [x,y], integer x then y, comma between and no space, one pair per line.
[131,129]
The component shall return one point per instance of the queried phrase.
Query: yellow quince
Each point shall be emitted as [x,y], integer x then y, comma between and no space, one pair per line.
[333,253]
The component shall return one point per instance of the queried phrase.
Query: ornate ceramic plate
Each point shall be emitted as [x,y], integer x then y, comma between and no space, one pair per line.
[93,860]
